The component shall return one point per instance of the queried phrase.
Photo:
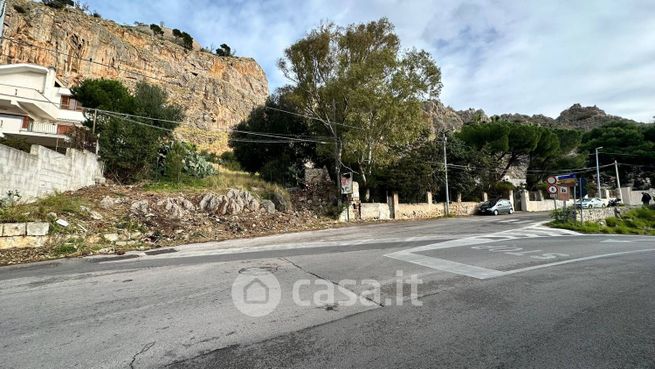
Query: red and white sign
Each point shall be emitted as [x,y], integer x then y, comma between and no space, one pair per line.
[552,180]
[552,189]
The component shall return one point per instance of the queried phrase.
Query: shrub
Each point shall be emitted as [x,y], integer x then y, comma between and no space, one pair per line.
[180,158]
[10,199]
[129,147]
[16,143]
[187,41]
[224,50]
[563,215]
[20,9]
[612,222]
[177,32]
[229,161]
[58,4]
[156,30]
[96,15]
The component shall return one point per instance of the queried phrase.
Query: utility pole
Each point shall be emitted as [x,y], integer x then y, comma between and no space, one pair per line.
[600,196]
[445,165]
[95,116]
[618,180]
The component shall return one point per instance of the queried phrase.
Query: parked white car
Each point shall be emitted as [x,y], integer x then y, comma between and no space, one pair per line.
[590,203]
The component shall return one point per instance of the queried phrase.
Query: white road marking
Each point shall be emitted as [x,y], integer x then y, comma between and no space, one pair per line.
[533,231]
[509,221]
[576,260]
[446,265]
[616,241]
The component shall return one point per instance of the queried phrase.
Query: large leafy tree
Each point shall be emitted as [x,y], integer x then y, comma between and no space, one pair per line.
[129,145]
[358,87]
[419,168]
[273,142]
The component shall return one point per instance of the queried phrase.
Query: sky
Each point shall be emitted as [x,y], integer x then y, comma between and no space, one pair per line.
[504,56]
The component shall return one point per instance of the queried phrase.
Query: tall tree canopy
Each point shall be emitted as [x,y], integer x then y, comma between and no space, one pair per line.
[128,145]
[358,87]
[507,144]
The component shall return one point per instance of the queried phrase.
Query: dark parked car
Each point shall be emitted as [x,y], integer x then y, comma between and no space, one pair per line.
[495,207]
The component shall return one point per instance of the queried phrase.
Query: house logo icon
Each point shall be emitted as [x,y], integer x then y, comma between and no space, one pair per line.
[256,292]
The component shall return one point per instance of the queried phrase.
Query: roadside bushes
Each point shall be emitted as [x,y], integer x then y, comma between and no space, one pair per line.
[129,145]
[178,159]
[636,221]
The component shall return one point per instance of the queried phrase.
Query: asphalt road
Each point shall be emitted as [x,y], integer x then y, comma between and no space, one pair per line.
[481,292]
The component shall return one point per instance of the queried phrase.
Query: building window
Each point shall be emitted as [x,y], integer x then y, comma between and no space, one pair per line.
[68,103]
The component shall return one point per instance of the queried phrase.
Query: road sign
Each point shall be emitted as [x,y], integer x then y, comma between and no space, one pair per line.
[347,183]
[552,189]
[552,180]
[564,193]
[566,179]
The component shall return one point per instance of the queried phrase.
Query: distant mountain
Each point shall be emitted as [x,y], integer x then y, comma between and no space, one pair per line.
[575,117]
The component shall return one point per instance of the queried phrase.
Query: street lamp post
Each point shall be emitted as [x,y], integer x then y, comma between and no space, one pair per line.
[600,196]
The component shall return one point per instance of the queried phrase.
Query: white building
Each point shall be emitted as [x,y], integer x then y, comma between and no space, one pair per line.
[36,107]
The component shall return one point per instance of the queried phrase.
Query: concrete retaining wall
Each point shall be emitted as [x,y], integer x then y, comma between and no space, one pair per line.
[633,197]
[43,172]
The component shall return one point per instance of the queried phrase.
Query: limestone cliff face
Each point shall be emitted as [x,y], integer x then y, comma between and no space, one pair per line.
[217,92]
[575,117]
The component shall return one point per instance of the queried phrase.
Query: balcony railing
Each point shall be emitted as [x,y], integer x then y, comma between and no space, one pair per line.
[48,128]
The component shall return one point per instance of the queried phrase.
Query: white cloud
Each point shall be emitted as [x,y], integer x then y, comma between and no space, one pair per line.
[502,55]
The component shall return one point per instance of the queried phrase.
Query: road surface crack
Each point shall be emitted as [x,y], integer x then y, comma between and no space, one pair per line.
[380,304]
[145,348]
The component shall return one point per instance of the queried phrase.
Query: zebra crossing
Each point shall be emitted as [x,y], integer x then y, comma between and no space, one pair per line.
[414,255]
[514,221]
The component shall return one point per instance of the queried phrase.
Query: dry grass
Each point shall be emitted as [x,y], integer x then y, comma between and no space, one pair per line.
[219,183]
[60,204]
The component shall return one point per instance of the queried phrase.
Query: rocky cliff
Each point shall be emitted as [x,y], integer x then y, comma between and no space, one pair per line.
[575,117]
[217,92]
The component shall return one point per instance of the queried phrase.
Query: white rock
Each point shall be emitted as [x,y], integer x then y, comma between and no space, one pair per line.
[111,237]
[62,223]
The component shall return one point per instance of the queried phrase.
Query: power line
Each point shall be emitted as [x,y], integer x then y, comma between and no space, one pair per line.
[310,117]
[253,133]
[280,139]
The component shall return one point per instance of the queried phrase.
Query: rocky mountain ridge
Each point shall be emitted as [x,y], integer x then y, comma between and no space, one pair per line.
[576,117]
[216,92]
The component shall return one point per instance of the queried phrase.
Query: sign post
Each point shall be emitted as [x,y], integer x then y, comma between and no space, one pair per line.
[347,189]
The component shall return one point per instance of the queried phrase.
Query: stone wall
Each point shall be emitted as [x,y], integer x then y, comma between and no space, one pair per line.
[43,171]
[419,211]
[394,209]
[595,215]
[23,235]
